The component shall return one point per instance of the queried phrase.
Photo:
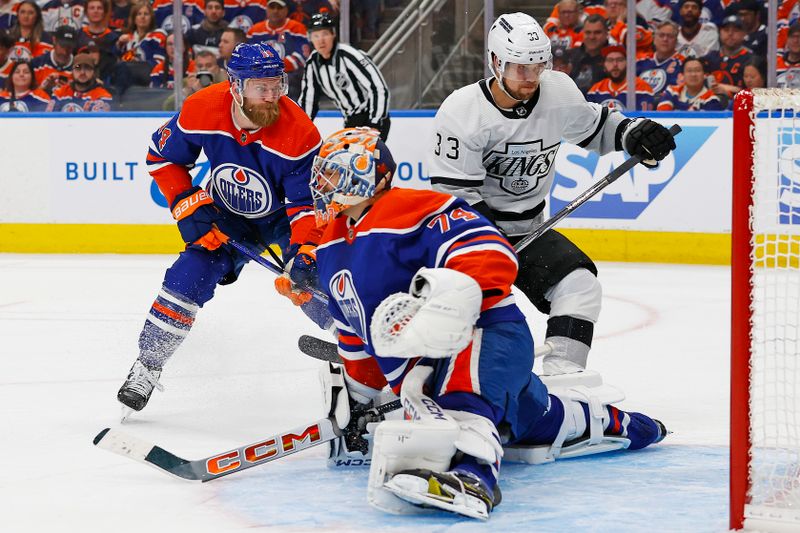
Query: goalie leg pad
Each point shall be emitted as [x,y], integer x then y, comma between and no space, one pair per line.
[582,430]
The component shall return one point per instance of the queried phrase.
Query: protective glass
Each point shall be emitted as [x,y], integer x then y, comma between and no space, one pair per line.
[335,187]
[265,89]
[520,72]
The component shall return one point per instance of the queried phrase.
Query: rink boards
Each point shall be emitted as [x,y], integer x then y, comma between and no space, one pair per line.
[83,187]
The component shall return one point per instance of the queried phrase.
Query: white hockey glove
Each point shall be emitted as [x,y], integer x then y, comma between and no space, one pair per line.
[434,319]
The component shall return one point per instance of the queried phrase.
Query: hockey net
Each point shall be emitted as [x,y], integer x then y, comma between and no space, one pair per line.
[765,332]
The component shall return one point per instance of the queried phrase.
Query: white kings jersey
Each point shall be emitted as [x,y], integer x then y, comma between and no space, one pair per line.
[501,161]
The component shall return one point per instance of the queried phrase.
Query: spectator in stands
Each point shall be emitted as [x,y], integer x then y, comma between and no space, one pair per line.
[21,93]
[163,75]
[84,92]
[305,9]
[29,37]
[139,48]
[208,72]
[245,14]
[612,90]
[788,67]
[663,67]
[120,13]
[696,38]
[617,14]
[55,69]
[345,75]
[57,13]
[97,31]
[727,64]
[654,11]
[207,33]
[192,14]
[561,60]
[755,73]
[227,42]
[566,32]
[289,38]
[756,33]
[6,44]
[692,94]
[367,13]
[8,14]
[587,59]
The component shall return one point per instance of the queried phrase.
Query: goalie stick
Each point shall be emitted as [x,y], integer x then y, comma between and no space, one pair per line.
[229,462]
[329,351]
[584,197]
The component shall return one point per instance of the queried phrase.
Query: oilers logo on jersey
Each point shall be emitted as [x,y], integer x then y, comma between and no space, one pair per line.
[344,292]
[521,166]
[243,22]
[243,190]
[656,78]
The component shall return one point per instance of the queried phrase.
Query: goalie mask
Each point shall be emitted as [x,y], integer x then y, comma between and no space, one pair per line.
[517,49]
[349,166]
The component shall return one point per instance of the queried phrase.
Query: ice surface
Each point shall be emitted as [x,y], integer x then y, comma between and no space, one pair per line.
[69,327]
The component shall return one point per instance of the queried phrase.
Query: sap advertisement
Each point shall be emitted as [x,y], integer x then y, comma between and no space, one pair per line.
[92,170]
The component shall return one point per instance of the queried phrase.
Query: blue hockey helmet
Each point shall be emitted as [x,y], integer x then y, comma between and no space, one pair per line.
[252,61]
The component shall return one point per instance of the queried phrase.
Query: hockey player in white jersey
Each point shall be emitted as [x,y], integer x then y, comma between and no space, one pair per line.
[495,145]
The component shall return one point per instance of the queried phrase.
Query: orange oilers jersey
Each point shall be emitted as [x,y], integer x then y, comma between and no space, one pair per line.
[66,99]
[34,101]
[564,37]
[361,264]
[676,98]
[290,40]
[252,173]
[615,97]
[44,65]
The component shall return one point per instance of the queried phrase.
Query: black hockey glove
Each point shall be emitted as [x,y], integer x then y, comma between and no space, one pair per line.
[648,139]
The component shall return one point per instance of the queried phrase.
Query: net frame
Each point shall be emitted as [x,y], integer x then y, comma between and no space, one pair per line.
[765,313]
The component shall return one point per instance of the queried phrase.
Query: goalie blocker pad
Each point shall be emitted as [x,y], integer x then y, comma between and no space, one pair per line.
[572,440]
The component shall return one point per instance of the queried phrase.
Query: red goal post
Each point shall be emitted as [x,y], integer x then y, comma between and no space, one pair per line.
[765,312]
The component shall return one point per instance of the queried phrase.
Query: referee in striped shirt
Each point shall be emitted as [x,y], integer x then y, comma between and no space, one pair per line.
[345,75]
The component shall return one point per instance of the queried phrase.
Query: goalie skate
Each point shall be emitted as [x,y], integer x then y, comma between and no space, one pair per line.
[138,387]
[455,492]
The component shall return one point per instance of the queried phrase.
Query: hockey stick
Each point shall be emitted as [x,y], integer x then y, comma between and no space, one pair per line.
[584,197]
[229,462]
[329,351]
[255,256]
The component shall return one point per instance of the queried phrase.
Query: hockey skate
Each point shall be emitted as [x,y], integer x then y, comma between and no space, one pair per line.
[455,492]
[137,389]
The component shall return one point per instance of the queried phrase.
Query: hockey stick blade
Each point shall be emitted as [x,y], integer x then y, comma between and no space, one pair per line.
[329,351]
[319,349]
[223,464]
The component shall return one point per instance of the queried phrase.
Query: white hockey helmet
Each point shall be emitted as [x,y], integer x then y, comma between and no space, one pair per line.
[517,38]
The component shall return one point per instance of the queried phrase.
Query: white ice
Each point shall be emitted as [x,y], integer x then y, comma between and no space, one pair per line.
[68,334]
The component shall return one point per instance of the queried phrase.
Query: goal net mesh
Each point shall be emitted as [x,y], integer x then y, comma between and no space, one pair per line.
[775,308]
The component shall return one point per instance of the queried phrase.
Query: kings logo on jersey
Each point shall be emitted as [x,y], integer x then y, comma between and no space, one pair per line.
[343,290]
[521,166]
[243,190]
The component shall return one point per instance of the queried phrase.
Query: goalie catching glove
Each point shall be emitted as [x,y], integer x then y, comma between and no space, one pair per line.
[434,319]
[648,139]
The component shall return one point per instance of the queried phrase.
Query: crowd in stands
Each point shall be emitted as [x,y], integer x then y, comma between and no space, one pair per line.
[691,55]
[47,46]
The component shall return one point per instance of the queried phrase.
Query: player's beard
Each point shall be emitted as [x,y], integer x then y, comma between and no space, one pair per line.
[262,114]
